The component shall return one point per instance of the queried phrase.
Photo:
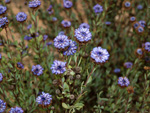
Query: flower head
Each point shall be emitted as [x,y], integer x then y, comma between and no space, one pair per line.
[127,4]
[21,17]
[83,35]
[84,25]
[27,38]
[3,10]
[45,99]
[49,43]
[136,25]
[132,19]
[34,4]
[71,49]
[0,57]
[66,23]
[45,37]
[20,65]
[68,4]
[54,19]
[16,110]
[98,8]
[61,33]
[139,52]
[128,64]
[147,46]
[108,23]
[7,1]
[37,70]
[123,81]
[1,77]
[140,30]
[29,26]
[99,55]
[58,67]
[139,7]
[61,42]
[2,106]
[142,23]
[3,22]
[117,70]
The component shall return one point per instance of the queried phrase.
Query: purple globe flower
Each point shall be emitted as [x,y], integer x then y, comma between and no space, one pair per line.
[16,110]
[98,8]
[61,33]
[123,81]
[61,42]
[45,37]
[136,25]
[21,17]
[29,26]
[147,46]
[68,4]
[117,70]
[1,77]
[54,19]
[108,23]
[45,99]
[3,22]
[66,23]
[84,25]
[7,1]
[71,49]
[2,106]
[128,64]
[37,70]
[139,7]
[3,10]
[142,23]
[27,38]
[132,19]
[99,55]
[34,4]
[20,65]
[139,51]
[83,35]
[127,4]
[140,29]
[58,67]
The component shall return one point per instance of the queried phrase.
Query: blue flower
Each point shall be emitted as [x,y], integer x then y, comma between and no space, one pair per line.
[117,70]
[136,25]
[61,42]
[71,49]
[139,51]
[142,23]
[108,23]
[61,33]
[29,26]
[68,4]
[45,37]
[66,23]
[3,22]
[37,70]
[20,65]
[16,110]
[99,55]
[27,38]
[1,77]
[54,19]
[49,43]
[139,7]
[3,10]
[140,29]
[127,4]
[0,57]
[98,8]
[50,8]
[84,25]
[58,67]
[83,35]
[2,106]
[128,64]
[45,99]
[132,19]
[34,4]
[123,81]
[7,1]
[147,46]
[21,17]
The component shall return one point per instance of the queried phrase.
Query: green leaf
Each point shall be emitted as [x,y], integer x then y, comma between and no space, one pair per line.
[89,80]
[65,106]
